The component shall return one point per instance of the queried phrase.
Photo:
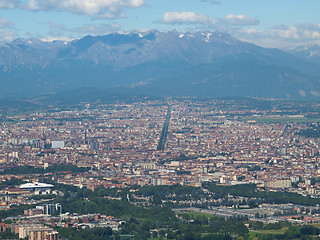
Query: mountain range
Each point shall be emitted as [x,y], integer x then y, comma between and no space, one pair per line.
[203,64]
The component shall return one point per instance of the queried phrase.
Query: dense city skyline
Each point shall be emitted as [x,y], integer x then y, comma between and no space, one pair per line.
[245,162]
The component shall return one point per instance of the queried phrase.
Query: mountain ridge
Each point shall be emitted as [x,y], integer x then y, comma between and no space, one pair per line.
[212,64]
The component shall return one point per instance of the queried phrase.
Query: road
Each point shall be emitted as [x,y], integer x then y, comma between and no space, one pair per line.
[163,137]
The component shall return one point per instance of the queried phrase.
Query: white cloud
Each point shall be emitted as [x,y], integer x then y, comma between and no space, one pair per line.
[59,31]
[186,18]
[239,20]
[100,29]
[6,36]
[310,31]
[9,4]
[315,93]
[202,19]
[302,93]
[282,36]
[211,1]
[51,39]
[81,7]
[113,13]
[5,23]
[237,25]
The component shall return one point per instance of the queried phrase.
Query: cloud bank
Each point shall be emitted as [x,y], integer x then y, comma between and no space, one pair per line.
[109,9]
[211,1]
[243,28]
[202,19]
[239,20]
[282,36]
[186,18]
[60,31]
[5,35]
[5,23]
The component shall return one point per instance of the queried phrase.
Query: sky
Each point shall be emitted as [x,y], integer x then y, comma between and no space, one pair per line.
[267,23]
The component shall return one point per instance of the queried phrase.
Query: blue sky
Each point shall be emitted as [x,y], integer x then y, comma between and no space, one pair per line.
[268,23]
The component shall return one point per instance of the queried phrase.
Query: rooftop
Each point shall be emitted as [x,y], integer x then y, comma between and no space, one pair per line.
[35,185]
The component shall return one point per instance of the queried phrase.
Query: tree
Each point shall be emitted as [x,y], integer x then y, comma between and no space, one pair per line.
[309,230]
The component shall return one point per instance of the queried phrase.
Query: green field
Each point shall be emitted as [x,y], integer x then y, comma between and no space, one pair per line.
[284,119]
[280,231]
[253,234]
[195,214]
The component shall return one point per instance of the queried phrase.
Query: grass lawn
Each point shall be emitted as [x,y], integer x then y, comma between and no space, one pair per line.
[253,234]
[280,231]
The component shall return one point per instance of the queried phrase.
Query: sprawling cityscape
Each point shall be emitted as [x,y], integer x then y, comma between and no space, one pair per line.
[159,120]
[184,143]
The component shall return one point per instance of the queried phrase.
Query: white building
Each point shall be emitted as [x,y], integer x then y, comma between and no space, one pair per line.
[57,144]
[36,186]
